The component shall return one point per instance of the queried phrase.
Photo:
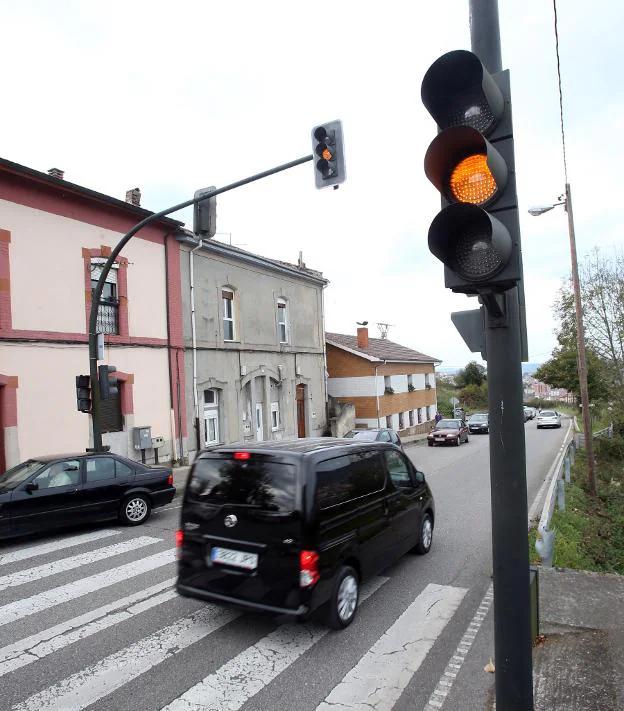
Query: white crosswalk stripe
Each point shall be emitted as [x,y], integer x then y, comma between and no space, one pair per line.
[65,564]
[19,609]
[44,548]
[223,689]
[174,624]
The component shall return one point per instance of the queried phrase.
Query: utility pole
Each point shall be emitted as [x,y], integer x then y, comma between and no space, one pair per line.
[510,552]
[582,355]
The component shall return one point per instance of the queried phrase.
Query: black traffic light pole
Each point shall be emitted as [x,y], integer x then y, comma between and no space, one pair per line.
[510,552]
[97,293]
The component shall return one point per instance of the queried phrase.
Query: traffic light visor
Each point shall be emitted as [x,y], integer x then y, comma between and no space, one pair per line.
[457,90]
[475,245]
[465,167]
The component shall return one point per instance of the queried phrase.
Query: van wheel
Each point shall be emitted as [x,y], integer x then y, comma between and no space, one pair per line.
[135,510]
[344,600]
[426,536]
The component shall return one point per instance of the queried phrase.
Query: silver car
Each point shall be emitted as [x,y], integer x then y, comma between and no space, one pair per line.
[548,418]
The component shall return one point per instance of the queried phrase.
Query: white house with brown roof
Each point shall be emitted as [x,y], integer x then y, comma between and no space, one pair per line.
[389,384]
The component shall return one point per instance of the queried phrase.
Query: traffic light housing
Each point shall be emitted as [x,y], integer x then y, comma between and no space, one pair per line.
[471,163]
[109,384]
[205,214]
[83,393]
[328,154]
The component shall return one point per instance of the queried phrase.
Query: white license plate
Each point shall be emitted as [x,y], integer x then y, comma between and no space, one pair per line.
[439,439]
[240,559]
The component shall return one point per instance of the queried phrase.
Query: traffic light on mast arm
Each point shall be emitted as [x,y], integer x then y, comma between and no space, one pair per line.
[109,384]
[471,163]
[328,155]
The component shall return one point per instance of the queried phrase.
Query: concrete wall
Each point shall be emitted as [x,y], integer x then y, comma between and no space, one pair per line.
[255,369]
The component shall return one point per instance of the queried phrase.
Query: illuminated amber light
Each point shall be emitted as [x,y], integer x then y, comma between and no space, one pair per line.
[327,154]
[472,181]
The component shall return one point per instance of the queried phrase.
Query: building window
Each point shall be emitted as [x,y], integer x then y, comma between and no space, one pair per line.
[227,297]
[275,416]
[282,320]
[211,416]
[108,308]
[389,421]
[428,413]
[410,384]
[401,423]
[411,418]
[419,414]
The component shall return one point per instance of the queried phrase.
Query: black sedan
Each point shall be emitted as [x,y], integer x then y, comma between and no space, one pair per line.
[52,491]
[479,423]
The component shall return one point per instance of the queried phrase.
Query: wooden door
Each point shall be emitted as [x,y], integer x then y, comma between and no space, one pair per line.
[301,427]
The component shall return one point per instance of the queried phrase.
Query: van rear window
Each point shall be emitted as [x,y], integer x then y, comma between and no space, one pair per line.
[342,479]
[257,482]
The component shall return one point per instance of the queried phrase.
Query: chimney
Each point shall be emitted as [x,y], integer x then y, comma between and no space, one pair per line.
[56,173]
[362,337]
[134,197]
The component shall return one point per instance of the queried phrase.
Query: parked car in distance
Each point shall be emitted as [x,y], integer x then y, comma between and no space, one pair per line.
[52,491]
[532,412]
[448,432]
[548,418]
[479,422]
[375,434]
[294,527]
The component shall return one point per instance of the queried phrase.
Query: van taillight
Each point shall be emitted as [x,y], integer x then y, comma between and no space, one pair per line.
[179,539]
[170,480]
[308,570]
[242,455]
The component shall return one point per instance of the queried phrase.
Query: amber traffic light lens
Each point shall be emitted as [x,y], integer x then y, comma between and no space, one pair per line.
[472,181]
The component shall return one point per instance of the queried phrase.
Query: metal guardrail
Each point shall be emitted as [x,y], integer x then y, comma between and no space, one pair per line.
[559,476]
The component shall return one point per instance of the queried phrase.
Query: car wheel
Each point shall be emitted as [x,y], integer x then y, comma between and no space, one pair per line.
[344,599]
[458,441]
[467,439]
[135,510]
[430,444]
[426,536]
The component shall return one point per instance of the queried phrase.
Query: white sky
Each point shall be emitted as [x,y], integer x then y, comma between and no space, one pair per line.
[175,96]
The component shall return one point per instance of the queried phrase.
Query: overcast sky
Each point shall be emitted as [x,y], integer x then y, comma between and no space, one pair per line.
[174,96]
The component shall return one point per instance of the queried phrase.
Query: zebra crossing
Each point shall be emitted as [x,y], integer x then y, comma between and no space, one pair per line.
[88,619]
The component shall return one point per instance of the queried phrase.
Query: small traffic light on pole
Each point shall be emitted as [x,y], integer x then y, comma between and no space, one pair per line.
[328,155]
[205,214]
[109,384]
[471,163]
[83,393]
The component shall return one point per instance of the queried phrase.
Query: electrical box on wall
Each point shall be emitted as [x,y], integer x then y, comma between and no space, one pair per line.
[142,437]
[158,442]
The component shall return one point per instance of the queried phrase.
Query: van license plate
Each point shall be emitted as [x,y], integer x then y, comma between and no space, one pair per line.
[240,559]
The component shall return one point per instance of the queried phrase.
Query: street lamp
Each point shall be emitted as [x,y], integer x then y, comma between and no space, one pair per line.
[566,201]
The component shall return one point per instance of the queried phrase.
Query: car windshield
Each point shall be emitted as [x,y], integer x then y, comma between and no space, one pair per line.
[478,418]
[364,435]
[547,413]
[14,477]
[447,425]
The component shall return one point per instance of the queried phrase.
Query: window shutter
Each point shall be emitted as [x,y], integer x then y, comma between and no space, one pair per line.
[110,415]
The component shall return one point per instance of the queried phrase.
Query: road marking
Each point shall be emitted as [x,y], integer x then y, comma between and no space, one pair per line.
[438,697]
[379,678]
[18,609]
[250,671]
[99,680]
[59,566]
[54,546]
[36,646]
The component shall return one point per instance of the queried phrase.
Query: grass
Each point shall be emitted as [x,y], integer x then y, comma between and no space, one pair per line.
[590,532]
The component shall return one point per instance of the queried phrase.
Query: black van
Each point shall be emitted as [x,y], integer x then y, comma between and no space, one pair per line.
[295,526]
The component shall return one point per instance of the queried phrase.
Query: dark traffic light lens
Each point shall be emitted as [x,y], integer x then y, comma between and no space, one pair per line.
[475,257]
[320,133]
[324,168]
[471,109]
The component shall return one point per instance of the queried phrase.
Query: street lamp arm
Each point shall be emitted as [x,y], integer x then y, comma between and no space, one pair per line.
[97,293]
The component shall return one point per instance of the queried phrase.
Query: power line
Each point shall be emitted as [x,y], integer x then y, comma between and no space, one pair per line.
[563,143]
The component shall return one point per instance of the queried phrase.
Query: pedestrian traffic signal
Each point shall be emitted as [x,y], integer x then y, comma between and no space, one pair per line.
[83,393]
[471,163]
[109,383]
[328,154]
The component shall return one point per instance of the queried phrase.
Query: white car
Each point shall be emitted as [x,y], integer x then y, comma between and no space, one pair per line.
[548,418]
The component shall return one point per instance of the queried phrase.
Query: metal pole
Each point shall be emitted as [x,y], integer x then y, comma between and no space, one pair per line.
[510,550]
[582,356]
[97,293]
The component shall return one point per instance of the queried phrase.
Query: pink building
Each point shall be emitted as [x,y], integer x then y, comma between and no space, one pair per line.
[54,237]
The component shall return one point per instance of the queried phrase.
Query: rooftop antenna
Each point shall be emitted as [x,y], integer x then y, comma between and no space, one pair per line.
[383,329]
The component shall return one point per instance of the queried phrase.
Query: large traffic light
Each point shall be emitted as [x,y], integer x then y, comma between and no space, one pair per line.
[109,384]
[471,163]
[328,151]
[83,393]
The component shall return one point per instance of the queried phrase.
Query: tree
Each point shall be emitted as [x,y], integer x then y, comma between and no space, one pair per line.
[472,374]
[561,371]
[474,397]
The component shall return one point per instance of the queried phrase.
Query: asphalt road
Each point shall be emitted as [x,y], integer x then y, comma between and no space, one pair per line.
[89,619]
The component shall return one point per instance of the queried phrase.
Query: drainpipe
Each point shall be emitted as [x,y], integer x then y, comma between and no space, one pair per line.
[377,393]
[194,343]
